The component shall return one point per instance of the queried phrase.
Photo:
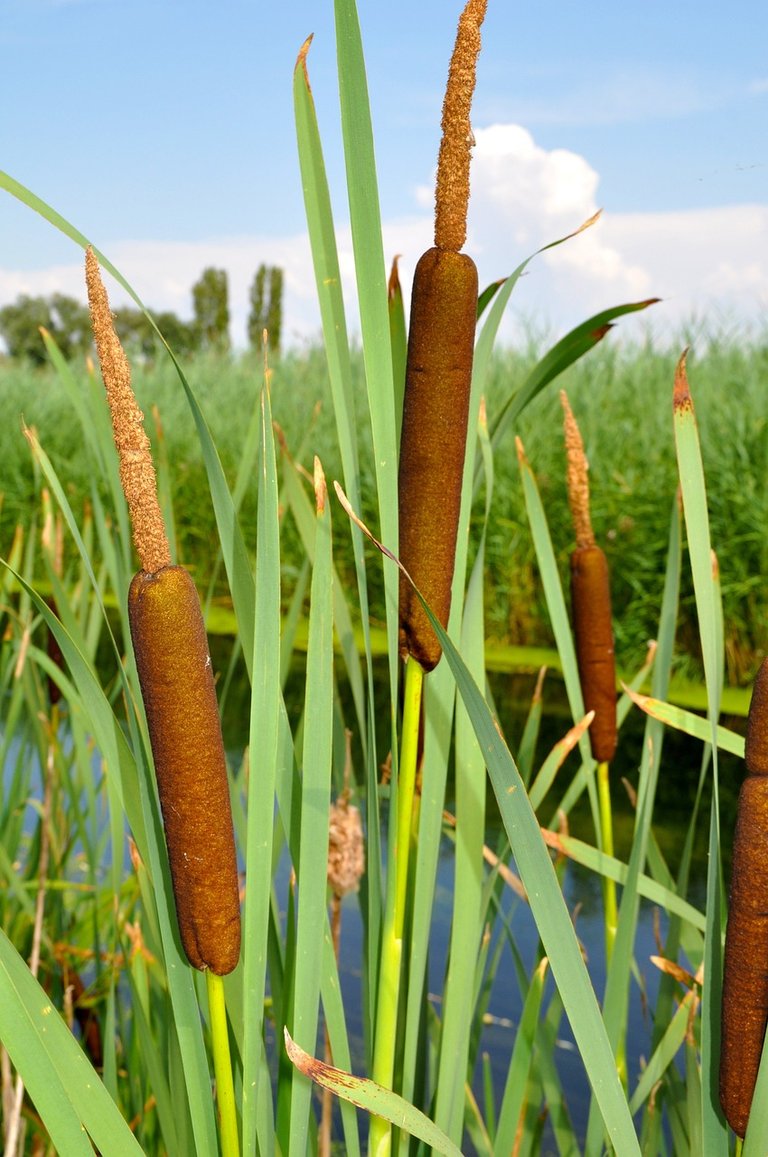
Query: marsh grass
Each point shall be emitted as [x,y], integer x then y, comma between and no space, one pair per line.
[632,463]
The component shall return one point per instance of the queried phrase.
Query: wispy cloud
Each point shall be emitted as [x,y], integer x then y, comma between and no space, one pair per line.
[760,86]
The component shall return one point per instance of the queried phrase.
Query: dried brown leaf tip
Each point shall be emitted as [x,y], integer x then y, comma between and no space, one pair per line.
[393,285]
[137,473]
[301,59]
[577,477]
[452,196]
[681,398]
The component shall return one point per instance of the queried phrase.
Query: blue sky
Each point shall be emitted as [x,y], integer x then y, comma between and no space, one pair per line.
[165,132]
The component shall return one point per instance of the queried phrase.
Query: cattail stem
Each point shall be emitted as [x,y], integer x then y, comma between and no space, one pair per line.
[606,832]
[222,1066]
[380,1139]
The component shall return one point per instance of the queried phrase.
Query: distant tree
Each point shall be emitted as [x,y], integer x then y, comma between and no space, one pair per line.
[71,325]
[65,319]
[182,336]
[135,331]
[266,307]
[139,336]
[20,327]
[210,299]
[275,311]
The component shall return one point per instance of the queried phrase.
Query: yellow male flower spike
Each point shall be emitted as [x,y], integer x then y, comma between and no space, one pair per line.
[177,687]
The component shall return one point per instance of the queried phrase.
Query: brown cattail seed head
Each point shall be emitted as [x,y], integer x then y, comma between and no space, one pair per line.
[179,696]
[756,748]
[346,855]
[452,192]
[593,630]
[433,441]
[137,473]
[745,976]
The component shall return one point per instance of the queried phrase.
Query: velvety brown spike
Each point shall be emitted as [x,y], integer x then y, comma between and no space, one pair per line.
[745,978]
[179,696]
[591,603]
[433,441]
[756,749]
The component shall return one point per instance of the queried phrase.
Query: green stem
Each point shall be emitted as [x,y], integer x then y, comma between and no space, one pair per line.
[222,1066]
[606,832]
[609,890]
[380,1140]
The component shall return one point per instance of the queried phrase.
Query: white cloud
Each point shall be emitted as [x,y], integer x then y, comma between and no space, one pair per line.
[759,86]
[703,261]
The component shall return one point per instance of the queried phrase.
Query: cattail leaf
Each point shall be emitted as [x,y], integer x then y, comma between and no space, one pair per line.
[662,1057]
[301,508]
[399,340]
[558,615]
[312,866]
[689,723]
[328,281]
[366,1094]
[67,1092]
[365,222]
[546,774]
[709,613]
[563,354]
[265,709]
[470,786]
[487,295]
[520,1064]
[549,910]
[651,889]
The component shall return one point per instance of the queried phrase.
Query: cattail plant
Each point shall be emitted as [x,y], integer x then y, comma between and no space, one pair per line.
[179,695]
[591,602]
[439,369]
[593,632]
[433,438]
[745,978]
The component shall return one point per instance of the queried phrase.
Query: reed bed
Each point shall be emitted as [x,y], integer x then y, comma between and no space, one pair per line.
[111,1039]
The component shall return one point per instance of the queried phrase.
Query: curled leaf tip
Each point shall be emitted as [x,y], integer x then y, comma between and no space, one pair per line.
[590,221]
[301,59]
[393,285]
[681,398]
